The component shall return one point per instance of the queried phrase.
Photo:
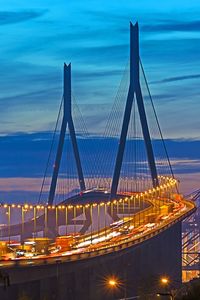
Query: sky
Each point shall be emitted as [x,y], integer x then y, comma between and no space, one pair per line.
[37,37]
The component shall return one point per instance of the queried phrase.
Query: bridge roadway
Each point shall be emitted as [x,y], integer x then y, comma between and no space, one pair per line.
[137,252]
[127,232]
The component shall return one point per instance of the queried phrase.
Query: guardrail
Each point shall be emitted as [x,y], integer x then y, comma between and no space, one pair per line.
[117,246]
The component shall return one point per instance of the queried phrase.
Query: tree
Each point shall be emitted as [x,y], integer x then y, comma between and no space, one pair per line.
[193,291]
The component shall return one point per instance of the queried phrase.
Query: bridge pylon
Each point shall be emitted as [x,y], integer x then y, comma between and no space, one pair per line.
[67,120]
[134,90]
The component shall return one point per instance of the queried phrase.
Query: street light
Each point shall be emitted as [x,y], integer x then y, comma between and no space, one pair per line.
[165,282]
[112,283]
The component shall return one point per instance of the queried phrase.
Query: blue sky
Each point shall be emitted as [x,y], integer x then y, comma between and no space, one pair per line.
[38,36]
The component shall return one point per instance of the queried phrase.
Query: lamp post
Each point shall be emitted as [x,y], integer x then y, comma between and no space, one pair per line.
[165,282]
[113,284]
[117,286]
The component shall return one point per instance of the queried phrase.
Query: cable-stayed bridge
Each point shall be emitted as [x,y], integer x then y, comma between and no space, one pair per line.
[114,214]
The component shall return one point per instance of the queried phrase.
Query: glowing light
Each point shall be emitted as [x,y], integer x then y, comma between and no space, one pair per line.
[112,283]
[164,280]
[167,183]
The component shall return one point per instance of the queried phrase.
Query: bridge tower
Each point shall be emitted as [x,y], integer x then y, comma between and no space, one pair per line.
[134,90]
[67,120]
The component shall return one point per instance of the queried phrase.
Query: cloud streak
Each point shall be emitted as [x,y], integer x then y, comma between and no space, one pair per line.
[11,17]
[173,25]
[177,78]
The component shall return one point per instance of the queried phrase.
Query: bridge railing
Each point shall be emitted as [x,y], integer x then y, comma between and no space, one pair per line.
[91,228]
[20,221]
[110,248]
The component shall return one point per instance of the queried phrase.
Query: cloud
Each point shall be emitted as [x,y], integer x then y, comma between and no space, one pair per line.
[20,184]
[29,98]
[173,25]
[186,161]
[188,182]
[22,171]
[97,74]
[11,17]
[177,78]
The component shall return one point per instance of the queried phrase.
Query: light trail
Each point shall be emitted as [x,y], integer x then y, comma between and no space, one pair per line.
[126,232]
